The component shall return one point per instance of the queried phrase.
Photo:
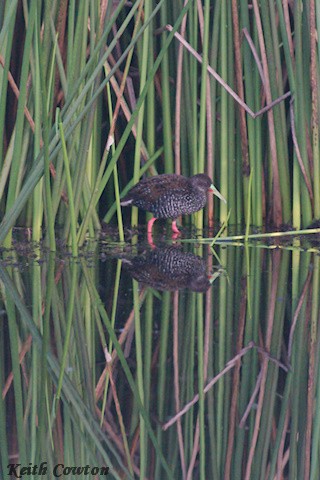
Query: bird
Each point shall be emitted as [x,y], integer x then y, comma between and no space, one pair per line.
[171,195]
[169,269]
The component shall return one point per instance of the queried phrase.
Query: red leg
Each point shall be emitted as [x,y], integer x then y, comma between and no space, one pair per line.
[150,224]
[150,239]
[175,229]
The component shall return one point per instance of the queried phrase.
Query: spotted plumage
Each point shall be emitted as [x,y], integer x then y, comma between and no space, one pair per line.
[170,195]
[169,268]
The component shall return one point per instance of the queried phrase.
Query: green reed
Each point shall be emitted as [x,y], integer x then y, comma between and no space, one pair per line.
[184,341]
[61,66]
[85,77]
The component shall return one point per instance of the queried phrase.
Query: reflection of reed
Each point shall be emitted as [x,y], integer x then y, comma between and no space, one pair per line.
[222,352]
[169,269]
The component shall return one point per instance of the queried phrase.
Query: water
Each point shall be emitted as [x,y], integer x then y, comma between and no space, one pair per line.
[239,321]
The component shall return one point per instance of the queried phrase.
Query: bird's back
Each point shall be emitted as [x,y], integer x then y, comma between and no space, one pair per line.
[147,192]
[167,196]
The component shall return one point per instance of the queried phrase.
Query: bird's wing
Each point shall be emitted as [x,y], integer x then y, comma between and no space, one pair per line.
[155,187]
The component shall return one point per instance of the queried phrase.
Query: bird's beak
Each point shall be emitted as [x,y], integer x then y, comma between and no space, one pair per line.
[216,192]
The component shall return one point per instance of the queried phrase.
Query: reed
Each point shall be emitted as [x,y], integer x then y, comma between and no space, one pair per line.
[92,98]
[62,55]
[248,352]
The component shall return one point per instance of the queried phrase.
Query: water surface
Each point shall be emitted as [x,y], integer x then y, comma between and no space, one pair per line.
[212,358]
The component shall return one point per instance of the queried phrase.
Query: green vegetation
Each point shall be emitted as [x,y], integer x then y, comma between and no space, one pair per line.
[90,96]
[95,380]
[94,95]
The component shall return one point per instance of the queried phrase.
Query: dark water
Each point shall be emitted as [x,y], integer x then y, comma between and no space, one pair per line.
[177,317]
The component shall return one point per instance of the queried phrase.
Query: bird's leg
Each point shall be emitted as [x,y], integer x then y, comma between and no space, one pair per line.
[175,229]
[150,225]
[150,240]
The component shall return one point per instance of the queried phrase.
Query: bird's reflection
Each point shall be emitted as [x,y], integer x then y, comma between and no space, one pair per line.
[169,268]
